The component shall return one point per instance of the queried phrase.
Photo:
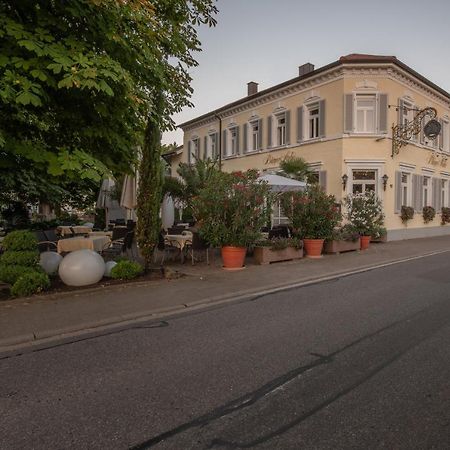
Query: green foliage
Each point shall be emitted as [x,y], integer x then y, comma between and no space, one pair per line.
[281,243]
[231,209]
[406,213]
[379,232]
[445,215]
[10,274]
[364,212]
[345,233]
[28,258]
[313,214]
[295,167]
[428,213]
[30,283]
[20,240]
[126,270]
[78,82]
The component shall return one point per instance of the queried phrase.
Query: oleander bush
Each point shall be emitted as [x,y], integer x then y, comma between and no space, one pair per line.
[445,215]
[428,213]
[126,270]
[30,283]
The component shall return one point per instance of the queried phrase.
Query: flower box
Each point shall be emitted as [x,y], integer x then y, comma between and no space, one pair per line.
[265,255]
[341,246]
[379,239]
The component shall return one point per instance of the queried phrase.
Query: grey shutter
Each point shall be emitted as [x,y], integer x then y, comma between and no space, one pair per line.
[300,124]
[269,131]
[288,127]
[245,147]
[189,152]
[322,118]
[420,202]
[401,111]
[216,146]
[224,143]
[323,179]
[205,149]
[348,113]
[198,152]
[383,113]
[441,135]
[417,193]
[238,148]
[260,134]
[448,194]
[437,194]
[398,192]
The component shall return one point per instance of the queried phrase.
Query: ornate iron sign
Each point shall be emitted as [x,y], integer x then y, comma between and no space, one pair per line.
[402,133]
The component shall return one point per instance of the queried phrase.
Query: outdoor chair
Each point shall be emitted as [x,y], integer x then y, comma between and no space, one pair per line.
[118,247]
[44,244]
[165,248]
[131,224]
[279,232]
[119,233]
[176,230]
[197,245]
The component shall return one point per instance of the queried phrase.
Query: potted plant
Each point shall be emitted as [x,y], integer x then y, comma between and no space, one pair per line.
[428,213]
[313,215]
[364,213]
[406,213]
[379,234]
[343,239]
[278,249]
[230,210]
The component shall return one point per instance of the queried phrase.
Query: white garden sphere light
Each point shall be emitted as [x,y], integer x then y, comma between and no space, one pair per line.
[88,224]
[108,266]
[81,268]
[50,261]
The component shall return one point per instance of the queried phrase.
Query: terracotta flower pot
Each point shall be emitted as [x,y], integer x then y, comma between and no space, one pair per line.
[365,241]
[233,257]
[313,247]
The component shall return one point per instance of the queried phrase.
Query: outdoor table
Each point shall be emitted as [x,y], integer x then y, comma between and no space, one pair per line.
[96,243]
[65,230]
[181,240]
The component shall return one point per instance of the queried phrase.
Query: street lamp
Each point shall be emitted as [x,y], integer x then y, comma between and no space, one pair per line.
[344,181]
[402,133]
[385,179]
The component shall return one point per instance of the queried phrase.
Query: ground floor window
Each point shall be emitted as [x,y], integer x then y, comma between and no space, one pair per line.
[363,181]
[405,188]
[278,216]
[444,193]
[426,191]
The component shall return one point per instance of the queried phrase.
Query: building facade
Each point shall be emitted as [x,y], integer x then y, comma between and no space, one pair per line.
[339,118]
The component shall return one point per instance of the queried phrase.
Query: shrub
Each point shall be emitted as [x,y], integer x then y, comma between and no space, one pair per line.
[281,243]
[30,283]
[379,232]
[407,213]
[23,258]
[126,270]
[345,233]
[428,213]
[10,274]
[312,213]
[364,212]
[20,240]
[445,215]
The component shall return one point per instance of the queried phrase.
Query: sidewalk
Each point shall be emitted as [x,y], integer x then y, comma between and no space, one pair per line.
[26,320]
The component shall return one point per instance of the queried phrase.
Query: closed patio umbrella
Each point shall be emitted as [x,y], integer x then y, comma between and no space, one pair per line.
[104,200]
[167,212]
[128,198]
[277,183]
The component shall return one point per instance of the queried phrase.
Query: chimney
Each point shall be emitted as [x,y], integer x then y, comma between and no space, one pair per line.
[305,68]
[252,88]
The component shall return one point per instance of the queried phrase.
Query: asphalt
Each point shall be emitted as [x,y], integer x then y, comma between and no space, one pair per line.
[41,319]
[359,361]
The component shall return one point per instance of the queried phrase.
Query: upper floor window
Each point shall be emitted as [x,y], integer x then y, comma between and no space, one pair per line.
[445,136]
[365,113]
[313,121]
[254,135]
[212,146]
[233,141]
[194,150]
[280,129]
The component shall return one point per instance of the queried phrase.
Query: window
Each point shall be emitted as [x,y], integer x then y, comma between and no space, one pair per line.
[313,121]
[408,112]
[426,191]
[365,113]
[363,181]
[254,135]
[281,129]
[444,193]
[233,140]
[212,146]
[194,150]
[278,215]
[405,188]
[313,177]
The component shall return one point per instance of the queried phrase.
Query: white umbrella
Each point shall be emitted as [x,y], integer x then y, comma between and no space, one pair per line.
[104,200]
[278,183]
[167,212]
[128,197]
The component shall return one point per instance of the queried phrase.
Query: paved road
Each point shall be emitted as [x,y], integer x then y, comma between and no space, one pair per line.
[360,362]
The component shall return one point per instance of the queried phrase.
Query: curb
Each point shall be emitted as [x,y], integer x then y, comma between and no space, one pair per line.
[111,323]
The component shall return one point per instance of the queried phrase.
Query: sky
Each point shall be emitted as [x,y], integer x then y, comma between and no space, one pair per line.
[266,40]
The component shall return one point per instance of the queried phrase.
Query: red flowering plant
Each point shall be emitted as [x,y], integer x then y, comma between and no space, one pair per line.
[232,208]
[313,214]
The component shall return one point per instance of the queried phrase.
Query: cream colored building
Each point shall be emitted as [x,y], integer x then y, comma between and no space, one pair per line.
[339,118]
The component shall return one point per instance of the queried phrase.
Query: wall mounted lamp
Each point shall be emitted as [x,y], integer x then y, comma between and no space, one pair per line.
[344,181]
[385,179]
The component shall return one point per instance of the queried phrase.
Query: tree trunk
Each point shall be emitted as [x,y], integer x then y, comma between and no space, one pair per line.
[150,188]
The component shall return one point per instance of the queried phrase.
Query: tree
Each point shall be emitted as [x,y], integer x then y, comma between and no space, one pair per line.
[78,80]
